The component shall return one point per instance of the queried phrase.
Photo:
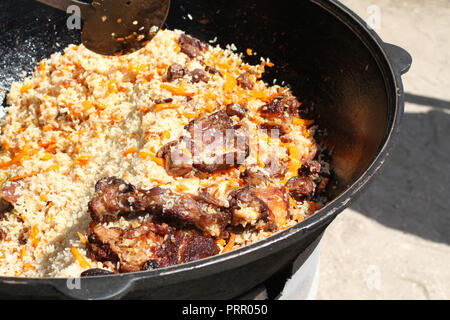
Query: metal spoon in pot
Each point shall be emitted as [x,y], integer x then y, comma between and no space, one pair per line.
[116,27]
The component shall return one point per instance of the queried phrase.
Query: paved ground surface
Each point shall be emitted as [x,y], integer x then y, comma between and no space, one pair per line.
[394,242]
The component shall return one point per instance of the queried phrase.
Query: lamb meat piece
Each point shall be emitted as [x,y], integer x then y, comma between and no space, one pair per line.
[215,143]
[114,198]
[276,168]
[244,81]
[309,167]
[198,75]
[8,197]
[186,210]
[178,161]
[130,247]
[165,100]
[3,234]
[149,245]
[254,176]
[312,154]
[213,70]
[275,129]
[9,192]
[301,188]
[235,109]
[175,71]
[276,201]
[281,107]
[249,205]
[100,240]
[196,247]
[191,46]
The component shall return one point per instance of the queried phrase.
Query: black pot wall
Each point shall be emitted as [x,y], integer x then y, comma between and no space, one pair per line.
[336,67]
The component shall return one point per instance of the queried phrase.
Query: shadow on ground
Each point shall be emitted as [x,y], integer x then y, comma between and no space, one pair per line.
[412,192]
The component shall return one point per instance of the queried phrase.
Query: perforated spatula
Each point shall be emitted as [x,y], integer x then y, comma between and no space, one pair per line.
[116,27]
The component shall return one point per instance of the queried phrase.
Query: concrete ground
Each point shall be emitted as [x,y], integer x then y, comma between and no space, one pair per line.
[394,242]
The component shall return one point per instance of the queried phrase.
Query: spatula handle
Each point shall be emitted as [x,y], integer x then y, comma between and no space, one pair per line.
[85,8]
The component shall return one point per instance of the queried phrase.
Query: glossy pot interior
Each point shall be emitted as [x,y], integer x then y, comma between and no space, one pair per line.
[335,66]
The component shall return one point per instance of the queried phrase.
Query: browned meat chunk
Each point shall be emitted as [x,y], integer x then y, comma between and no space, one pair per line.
[276,168]
[196,247]
[8,197]
[147,246]
[254,176]
[309,167]
[235,109]
[175,71]
[177,161]
[277,202]
[113,198]
[312,154]
[186,210]
[9,192]
[274,129]
[3,234]
[249,205]
[215,144]
[198,75]
[301,188]
[244,81]
[213,70]
[281,107]
[165,100]
[191,46]
[131,248]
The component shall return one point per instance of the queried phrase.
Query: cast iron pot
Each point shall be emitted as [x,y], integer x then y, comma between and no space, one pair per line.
[345,75]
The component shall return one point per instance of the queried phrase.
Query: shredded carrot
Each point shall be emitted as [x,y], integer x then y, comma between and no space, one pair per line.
[34,236]
[47,128]
[25,88]
[82,160]
[230,82]
[165,135]
[80,258]
[230,243]
[134,224]
[181,187]
[52,168]
[5,144]
[82,237]
[47,156]
[86,104]
[263,95]
[300,121]
[179,91]
[15,178]
[28,266]
[249,51]
[17,159]
[129,151]
[23,252]
[112,87]
[152,157]
[164,106]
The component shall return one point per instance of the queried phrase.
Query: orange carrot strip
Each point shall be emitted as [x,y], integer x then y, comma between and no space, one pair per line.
[230,243]
[17,159]
[129,151]
[179,91]
[82,237]
[80,258]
